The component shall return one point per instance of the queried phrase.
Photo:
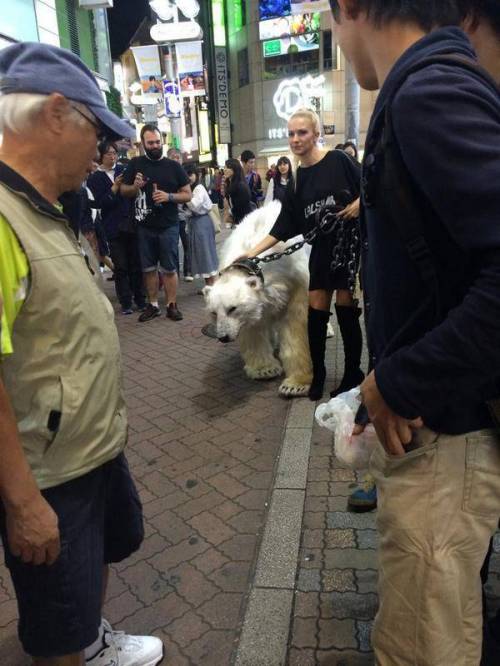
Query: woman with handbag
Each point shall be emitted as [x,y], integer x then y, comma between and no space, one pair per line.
[204,261]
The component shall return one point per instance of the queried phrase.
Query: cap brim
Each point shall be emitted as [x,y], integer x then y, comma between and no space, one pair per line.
[115,127]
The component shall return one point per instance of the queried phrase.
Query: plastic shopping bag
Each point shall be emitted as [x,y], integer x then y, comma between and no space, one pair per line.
[338,416]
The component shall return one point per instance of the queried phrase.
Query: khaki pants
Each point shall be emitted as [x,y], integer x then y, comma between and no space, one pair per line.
[438,507]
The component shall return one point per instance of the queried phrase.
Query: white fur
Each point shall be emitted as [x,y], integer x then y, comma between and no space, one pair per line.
[268,317]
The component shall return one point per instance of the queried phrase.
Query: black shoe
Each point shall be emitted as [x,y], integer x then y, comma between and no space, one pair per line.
[173,312]
[127,311]
[150,312]
[140,307]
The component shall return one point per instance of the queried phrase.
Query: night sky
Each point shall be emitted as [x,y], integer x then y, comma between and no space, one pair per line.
[124,19]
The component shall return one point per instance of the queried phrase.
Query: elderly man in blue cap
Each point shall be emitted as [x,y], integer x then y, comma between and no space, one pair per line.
[69,505]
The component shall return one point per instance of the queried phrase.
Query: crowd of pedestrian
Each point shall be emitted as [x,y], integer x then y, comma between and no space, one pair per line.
[417,220]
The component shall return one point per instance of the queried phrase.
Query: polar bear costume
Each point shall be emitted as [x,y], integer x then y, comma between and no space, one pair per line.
[269,319]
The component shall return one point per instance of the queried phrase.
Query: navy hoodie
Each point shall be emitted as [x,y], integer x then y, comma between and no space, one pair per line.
[115,209]
[447,124]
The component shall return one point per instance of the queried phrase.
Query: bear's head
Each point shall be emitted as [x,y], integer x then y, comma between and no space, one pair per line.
[236,300]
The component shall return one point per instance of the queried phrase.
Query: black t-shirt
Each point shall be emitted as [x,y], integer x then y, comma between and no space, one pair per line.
[334,179]
[168,176]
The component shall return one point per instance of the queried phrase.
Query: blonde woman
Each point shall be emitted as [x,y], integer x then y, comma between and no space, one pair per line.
[324,179]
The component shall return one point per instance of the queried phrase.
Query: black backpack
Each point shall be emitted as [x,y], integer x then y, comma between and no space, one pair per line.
[397,186]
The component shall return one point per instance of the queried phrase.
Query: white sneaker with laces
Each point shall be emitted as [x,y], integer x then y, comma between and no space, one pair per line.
[120,649]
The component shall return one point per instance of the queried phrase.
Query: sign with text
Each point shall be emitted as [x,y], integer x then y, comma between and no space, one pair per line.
[147,60]
[222,95]
[190,68]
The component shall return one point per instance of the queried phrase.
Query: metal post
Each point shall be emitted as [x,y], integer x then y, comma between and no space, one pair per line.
[175,123]
[352,100]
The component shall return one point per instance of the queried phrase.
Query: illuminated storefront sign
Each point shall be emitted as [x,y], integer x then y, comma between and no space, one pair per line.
[293,94]
[299,24]
[279,47]
[222,95]
[277,132]
[238,15]
[219,25]
[275,8]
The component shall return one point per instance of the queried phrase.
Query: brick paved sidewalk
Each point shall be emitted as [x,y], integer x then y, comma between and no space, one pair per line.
[202,447]
[335,598]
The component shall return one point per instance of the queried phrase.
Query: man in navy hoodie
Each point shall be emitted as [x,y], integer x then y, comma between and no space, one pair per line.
[435,352]
[119,229]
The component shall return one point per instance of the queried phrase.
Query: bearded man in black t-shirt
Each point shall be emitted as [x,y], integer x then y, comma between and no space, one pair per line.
[157,184]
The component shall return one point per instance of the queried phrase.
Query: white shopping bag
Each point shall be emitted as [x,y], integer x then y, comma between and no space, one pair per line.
[338,416]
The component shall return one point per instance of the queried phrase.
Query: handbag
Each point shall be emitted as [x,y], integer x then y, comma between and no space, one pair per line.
[215,217]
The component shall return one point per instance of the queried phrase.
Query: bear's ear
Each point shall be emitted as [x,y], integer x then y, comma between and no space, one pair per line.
[254,282]
[206,290]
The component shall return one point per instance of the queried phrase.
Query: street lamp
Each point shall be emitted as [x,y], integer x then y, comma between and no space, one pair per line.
[167,9]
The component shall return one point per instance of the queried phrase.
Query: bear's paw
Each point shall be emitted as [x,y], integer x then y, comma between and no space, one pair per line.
[290,389]
[264,372]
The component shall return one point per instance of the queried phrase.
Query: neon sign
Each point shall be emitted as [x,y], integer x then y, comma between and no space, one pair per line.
[296,93]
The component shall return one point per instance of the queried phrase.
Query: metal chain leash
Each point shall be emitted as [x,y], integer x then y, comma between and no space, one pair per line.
[345,253]
[326,221]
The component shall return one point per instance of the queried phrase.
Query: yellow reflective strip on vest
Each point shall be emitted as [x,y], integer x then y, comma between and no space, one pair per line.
[14,272]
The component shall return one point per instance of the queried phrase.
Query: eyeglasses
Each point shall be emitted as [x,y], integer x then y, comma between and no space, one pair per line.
[100,131]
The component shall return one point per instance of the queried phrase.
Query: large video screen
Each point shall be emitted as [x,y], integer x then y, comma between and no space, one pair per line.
[284,26]
[291,44]
[269,9]
[298,6]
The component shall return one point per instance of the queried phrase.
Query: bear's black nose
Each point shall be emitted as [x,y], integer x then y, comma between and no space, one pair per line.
[225,338]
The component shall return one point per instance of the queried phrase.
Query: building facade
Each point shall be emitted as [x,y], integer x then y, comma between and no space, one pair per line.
[277,65]
[65,23]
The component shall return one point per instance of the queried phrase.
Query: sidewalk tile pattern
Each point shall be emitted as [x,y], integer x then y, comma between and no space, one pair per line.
[202,447]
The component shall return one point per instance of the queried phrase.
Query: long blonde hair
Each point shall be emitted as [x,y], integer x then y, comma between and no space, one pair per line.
[313,118]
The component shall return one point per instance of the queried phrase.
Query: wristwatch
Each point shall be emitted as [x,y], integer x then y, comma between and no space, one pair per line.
[170,197]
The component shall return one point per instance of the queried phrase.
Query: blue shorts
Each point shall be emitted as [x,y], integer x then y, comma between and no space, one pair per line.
[100,521]
[159,249]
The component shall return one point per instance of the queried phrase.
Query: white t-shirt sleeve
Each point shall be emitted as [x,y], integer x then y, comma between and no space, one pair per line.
[200,204]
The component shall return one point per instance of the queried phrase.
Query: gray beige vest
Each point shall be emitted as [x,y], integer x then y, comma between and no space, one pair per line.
[66,356]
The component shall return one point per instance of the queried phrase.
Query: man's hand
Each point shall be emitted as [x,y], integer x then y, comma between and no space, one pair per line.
[139,181]
[159,196]
[393,431]
[33,531]
[115,188]
[350,212]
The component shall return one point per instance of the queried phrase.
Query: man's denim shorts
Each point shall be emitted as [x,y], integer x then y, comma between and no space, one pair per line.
[159,249]
[100,521]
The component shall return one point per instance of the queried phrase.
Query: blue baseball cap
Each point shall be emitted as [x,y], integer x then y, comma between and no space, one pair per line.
[30,67]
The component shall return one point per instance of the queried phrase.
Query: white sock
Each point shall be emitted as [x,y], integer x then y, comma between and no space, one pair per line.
[97,645]
[155,303]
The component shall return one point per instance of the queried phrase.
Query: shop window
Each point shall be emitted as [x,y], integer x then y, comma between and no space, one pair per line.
[291,64]
[243,68]
[330,52]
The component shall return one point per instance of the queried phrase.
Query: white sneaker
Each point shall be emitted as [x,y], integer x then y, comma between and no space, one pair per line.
[188,278]
[120,649]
